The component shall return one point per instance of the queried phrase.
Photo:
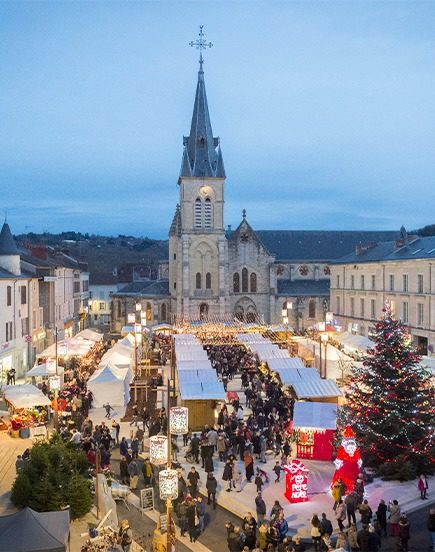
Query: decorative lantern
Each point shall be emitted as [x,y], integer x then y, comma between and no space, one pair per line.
[179,420]
[168,484]
[158,450]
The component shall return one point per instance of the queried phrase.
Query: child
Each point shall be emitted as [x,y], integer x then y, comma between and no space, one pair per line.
[258,482]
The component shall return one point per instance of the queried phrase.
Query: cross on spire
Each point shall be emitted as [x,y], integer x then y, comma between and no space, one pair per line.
[200,44]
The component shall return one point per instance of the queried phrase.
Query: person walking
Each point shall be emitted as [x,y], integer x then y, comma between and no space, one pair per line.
[394,509]
[260,508]
[211,486]
[351,502]
[147,471]
[325,526]
[262,535]
[123,471]
[366,513]
[249,465]
[423,486]
[192,519]
[431,526]
[108,409]
[277,469]
[182,517]
[315,532]
[340,514]
[133,472]
[404,532]
[258,482]
[125,536]
[200,512]
[228,474]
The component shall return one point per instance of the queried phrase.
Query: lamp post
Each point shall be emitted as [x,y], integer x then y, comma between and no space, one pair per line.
[323,340]
[286,318]
[56,390]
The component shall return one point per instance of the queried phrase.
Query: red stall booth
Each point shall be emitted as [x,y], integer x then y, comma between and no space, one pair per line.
[314,425]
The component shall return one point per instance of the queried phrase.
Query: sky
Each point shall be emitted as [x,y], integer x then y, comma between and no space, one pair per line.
[325,111]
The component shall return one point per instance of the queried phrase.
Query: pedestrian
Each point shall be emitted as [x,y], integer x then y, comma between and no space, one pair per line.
[340,514]
[262,535]
[125,536]
[282,526]
[276,509]
[116,428]
[249,465]
[351,502]
[135,415]
[228,474]
[194,444]
[342,541]
[325,526]
[123,471]
[19,463]
[192,520]
[147,471]
[352,535]
[258,482]
[108,409]
[431,526]
[133,472]
[200,512]
[364,539]
[211,486]
[123,447]
[404,532]
[182,517]
[337,491]
[394,509]
[135,447]
[193,479]
[366,513]
[423,486]
[381,516]
[260,508]
[238,482]
[277,469]
[315,532]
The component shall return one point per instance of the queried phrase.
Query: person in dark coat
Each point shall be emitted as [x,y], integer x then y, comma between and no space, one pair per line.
[364,539]
[208,464]
[260,508]
[381,516]
[228,474]
[211,486]
[325,526]
[249,466]
[404,532]
[191,515]
[351,502]
[123,471]
[194,444]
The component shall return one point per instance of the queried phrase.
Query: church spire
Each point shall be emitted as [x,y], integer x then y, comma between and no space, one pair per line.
[201,156]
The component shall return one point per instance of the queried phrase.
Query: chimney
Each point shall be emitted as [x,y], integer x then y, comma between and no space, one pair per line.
[358,249]
[39,251]
[229,228]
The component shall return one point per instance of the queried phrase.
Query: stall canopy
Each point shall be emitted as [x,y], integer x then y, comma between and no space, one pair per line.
[190,354]
[354,343]
[30,531]
[68,347]
[315,415]
[44,370]
[315,389]
[194,376]
[110,384]
[278,364]
[200,365]
[290,375]
[201,391]
[25,396]
[90,335]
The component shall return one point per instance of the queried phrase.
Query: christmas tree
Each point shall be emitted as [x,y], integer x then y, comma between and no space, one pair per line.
[348,461]
[390,401]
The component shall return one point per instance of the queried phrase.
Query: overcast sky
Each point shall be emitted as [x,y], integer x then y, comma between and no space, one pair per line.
[325,110]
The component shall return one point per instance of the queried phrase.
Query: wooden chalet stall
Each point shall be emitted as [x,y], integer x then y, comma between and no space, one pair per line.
[314,425]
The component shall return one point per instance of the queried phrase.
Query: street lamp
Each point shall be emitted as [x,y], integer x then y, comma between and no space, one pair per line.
[286,317]
[324,337]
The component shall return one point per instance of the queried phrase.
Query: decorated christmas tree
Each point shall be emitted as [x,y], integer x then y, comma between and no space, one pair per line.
[390,402]
[348,461]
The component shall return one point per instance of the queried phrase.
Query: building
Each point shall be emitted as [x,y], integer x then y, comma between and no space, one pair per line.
[21,320]
[101,288]
[400,272]
[213,271]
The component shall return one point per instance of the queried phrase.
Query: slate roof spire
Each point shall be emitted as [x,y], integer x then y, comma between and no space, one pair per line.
[202,156]
[7,242]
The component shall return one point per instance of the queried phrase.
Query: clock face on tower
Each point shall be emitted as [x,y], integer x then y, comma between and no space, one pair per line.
[205,191]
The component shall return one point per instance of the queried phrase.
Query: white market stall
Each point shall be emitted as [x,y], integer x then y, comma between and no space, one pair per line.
[26,420]
[110,384]
[314,424]
[44,370]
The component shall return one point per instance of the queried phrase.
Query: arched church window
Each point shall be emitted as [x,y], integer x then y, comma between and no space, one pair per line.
[244,280]
[312,309]
[148,311]
[208,281]
[198,212]
[236,282]
[253,279]
[207,213]
[163,312]
[198,280]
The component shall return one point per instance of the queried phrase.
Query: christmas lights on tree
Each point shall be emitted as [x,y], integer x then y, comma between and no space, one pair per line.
[390,400]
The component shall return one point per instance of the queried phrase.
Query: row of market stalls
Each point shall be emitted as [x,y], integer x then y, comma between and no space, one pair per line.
[315,408]
[198,383]
[110,383]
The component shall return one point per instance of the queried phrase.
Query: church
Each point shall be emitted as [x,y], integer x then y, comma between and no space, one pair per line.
[216,273]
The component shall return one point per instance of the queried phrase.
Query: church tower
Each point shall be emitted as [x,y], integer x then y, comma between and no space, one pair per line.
[197,243]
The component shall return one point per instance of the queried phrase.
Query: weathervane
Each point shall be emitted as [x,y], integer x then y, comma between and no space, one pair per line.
[200,44]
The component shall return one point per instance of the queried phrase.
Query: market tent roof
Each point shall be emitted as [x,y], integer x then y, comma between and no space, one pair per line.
[67,347]
[290,375]
[110,384]
[201,365]
[354,342]
[252,338]
[191,354]
[194,376]
[30,531]
[187,338]
[25,396]
[428,363]
[315,388]
[90,335]
[45,369]
[201,391]
[278,364]
[317,415]
[114,357]
[161,327]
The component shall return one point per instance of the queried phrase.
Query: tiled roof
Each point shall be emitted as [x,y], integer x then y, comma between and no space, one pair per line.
[302,287]
[102,278]
[6,275]
[148,288]
[417,248]
[317,245]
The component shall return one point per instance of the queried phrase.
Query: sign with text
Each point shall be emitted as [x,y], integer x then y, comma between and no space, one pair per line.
[296,481]
[54,383]
[147,499]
